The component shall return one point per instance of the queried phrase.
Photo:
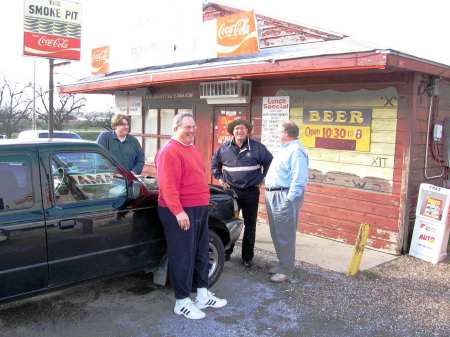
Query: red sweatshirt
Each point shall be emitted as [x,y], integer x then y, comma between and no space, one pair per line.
[181,177]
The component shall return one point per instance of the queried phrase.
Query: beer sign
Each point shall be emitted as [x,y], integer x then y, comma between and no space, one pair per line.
[339,129]
[237,34]
[52,29]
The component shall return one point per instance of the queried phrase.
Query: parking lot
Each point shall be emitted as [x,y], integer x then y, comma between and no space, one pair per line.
[405,297]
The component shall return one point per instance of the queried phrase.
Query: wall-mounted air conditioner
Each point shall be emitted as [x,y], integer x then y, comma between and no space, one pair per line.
[226,92]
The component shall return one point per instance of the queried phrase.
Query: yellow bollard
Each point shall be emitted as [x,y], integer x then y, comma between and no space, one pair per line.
[358,250]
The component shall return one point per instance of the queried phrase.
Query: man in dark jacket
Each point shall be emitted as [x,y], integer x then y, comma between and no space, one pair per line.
[124,147]
[241,164]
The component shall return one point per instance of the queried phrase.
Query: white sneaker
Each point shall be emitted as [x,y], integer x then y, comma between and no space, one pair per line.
[188,309]
[278,278]
[210,301]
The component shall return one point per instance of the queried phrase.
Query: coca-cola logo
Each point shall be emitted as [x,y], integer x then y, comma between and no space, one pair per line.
[239,28]
[100,56]
[58,42]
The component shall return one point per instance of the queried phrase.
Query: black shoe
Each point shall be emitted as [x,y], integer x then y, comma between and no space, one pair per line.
[247,264]
[227,257]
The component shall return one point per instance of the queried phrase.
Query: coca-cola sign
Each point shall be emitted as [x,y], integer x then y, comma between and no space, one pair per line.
[58,43]
[51,46]
[237,34]
[52,29]
[100,60]
[237,29]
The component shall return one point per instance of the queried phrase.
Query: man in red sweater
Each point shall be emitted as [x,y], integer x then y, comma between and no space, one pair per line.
[183,210]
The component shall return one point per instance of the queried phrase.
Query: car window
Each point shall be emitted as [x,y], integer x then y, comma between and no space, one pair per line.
[85,176]
[16,188]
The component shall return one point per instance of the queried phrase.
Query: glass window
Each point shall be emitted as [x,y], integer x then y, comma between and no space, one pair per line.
[166,121]
[151,121]
[150,149]
[85,176]
[16,185]
[136,123]
[158,130]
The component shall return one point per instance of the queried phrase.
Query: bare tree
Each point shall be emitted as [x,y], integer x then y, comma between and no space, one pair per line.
[63,111]
[14,106]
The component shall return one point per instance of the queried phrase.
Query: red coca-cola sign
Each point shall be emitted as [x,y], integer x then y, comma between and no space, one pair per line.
[51,46]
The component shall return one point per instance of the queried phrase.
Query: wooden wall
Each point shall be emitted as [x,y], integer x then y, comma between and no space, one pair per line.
[335,211]
[420,104]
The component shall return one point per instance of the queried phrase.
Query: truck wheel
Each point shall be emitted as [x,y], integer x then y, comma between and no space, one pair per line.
[216,257]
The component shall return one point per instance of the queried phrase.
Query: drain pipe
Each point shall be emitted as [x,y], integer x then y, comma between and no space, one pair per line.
[433,91]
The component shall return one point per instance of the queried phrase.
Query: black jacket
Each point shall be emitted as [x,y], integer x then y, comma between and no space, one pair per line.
[241,167]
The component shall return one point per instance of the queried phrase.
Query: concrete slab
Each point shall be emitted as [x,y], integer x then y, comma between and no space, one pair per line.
[325,253]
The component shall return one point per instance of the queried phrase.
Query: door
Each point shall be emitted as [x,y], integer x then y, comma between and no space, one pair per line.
[92,228]
[223,115]
[23,255]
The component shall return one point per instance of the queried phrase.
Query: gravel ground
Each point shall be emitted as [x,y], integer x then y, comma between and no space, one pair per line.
[404,297]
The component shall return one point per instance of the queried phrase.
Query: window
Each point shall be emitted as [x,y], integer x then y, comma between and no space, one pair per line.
[16,190]
[85,176]
[157,129]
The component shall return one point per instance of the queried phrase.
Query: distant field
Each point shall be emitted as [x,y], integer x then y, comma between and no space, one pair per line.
[88,135]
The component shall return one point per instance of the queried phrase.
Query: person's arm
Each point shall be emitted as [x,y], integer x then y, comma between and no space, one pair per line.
[168,174]
[299,169]
[266,159]
[102,139]
[216,165]
[139,163]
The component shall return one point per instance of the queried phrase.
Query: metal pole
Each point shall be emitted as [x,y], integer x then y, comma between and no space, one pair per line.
[50,100]
[34,96]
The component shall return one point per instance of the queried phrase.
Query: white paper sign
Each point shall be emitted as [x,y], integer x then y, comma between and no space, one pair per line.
[129,105]
[275,109]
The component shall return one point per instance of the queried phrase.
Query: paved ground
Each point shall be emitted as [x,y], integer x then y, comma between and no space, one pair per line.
[399,298]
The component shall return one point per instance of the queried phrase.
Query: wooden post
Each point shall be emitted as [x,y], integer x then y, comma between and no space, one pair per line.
[358,250]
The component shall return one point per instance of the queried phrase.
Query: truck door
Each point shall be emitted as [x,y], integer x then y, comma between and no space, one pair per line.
[91,228]
[23,255]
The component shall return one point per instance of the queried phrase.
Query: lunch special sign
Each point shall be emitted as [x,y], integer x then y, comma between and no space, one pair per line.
[52,29]
[337,128]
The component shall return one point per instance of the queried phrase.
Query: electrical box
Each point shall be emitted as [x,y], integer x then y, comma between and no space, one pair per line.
[446,141]
[437,132]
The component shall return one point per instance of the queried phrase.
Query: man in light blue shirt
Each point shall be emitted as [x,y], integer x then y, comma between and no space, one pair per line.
[285,186]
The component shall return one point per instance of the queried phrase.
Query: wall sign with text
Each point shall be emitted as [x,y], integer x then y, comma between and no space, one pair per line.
[52,29]
[339,129]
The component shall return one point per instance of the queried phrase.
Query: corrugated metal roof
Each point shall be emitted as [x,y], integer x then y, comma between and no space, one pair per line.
[324,48]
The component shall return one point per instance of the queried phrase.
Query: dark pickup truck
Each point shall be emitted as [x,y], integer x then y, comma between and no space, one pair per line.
[69,213]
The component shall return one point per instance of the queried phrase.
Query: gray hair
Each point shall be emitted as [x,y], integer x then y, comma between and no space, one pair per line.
[291,129]
[178,119]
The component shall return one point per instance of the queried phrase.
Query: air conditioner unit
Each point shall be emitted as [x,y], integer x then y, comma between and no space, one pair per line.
[226,92]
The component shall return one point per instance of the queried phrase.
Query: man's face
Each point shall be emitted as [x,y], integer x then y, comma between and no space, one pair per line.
[122,128]
[284,138]
[185,133]
[240,133]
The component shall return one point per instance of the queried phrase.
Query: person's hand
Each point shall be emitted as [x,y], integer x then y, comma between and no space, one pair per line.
[224,184]
[183,221]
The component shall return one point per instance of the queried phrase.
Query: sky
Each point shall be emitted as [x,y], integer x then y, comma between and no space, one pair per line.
[419,28]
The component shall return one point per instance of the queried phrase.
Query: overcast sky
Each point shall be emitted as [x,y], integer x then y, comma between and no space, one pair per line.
[415,27]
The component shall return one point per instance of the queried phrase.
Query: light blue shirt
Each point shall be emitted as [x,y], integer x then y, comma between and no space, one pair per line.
[289,169]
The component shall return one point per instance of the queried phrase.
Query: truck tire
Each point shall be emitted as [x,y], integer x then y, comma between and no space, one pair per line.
[216,253]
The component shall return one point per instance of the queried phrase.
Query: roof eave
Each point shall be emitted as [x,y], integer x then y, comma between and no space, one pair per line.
[365,61]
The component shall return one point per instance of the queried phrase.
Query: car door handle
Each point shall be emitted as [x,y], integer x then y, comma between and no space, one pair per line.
[66,224]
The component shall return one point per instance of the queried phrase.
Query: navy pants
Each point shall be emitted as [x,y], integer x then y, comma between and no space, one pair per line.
[187,250]
[248,200]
